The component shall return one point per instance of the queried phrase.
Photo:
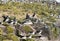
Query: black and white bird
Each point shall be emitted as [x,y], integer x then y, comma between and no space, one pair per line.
[6,18]
[14,21]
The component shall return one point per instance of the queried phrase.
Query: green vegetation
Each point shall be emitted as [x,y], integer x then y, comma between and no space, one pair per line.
[20,8]
[10,35]
[10,29]
[42,11]
[1,31]
[27,28]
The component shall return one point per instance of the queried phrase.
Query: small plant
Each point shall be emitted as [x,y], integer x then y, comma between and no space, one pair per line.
[5,24]
[27,28]
[10,29]
[55,32]
[1,31]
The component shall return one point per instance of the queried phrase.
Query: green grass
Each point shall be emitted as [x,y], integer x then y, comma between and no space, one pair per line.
[27,28]
[19,10]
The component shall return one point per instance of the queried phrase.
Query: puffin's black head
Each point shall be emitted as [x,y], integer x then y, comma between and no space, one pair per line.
[27,16]
[33,15]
